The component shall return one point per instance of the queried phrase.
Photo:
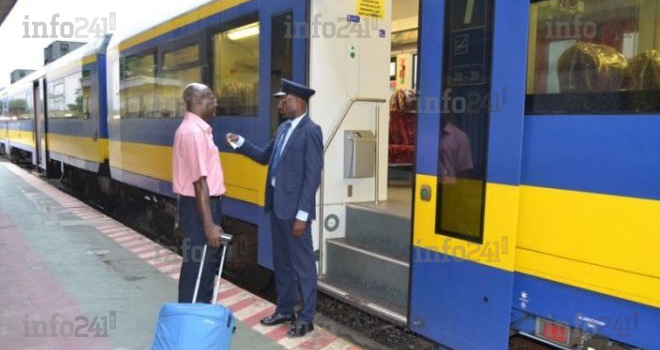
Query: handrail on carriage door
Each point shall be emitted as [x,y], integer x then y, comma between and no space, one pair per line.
[331,138]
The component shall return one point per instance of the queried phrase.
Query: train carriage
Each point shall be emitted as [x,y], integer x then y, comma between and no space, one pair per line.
[4,118]
[17,137]
[56,116]
[76,114]
[562,246]
[228,46]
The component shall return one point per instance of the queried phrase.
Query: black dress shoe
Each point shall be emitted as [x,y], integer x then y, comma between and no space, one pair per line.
[276,319]
[300,328]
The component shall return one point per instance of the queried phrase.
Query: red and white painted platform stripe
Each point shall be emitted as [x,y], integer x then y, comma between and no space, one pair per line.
[246,306]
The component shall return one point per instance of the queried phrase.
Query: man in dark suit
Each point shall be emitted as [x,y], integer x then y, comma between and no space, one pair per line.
[295,159]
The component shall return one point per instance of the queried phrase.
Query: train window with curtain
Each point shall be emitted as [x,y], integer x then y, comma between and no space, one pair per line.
[593,57]
[236,70]
[281,59]
[66,97]
[180,67]
[138,86]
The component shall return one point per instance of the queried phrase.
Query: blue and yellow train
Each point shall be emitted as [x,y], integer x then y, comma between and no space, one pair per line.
[58,113]
[535,202]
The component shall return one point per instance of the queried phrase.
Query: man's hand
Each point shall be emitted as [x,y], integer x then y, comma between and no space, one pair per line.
[231,138]
[299,228]
[213,235]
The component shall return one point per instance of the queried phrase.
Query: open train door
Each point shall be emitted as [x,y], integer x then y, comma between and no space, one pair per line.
[467,172]
[40,149]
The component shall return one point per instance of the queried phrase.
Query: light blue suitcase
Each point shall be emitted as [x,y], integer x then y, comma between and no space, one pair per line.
[196,326]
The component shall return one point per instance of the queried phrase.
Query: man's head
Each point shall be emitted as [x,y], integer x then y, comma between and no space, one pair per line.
[291,106]
[200,100]
[293,99]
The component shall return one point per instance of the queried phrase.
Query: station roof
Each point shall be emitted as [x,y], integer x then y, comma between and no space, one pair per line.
[5,8]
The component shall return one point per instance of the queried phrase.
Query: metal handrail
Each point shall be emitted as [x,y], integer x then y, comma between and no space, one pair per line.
[331,138]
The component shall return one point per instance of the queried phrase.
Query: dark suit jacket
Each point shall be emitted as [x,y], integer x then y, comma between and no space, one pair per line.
[298,173]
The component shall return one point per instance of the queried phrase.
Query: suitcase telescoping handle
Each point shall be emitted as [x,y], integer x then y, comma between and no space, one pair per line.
[225,240]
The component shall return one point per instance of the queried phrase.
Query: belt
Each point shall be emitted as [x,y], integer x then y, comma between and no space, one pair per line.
[211,197]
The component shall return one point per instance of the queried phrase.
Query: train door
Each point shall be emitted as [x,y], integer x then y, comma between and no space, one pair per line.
[40,158]
[363,231]
[467,172]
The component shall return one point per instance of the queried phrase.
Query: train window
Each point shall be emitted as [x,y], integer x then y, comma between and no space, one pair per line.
[236,70]
[16,108]
[188,54]
[464,126]
[68,97]
[180,68]
[593,57]
[20,105]
[281,61]
[29,103]
[137,86]
[113,79]
[86,92]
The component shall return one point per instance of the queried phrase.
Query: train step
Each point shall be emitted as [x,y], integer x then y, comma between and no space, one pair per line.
[368,273]
[379,230]
[367,301]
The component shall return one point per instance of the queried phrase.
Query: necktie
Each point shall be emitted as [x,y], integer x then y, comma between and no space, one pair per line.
[280,145]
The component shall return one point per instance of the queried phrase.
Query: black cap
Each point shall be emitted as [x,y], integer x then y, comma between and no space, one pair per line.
[288,87]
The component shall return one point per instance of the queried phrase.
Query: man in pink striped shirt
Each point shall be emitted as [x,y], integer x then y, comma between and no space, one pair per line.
[197,179]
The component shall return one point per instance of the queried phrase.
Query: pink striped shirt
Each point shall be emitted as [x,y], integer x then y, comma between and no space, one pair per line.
[195,155]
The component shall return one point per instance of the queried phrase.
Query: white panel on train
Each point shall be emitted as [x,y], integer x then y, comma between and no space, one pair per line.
[349,59]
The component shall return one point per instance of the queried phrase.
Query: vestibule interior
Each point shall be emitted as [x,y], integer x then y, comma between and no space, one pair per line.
[402,107]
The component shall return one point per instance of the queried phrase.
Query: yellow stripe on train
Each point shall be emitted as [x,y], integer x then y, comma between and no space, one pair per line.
[19,136]
[601,243]
[244,178]
[499,226]
[85,148]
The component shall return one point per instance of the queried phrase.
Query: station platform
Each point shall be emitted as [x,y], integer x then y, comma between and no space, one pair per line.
[72,278]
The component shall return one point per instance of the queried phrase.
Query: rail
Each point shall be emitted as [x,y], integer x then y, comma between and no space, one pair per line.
[327,144]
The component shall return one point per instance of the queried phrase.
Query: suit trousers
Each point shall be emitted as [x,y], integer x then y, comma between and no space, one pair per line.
[295,268]
[194,239]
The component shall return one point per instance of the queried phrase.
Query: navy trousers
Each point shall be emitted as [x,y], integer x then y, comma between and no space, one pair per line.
[295,268]
[193,246]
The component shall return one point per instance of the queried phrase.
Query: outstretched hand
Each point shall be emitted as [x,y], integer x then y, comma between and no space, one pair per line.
[231,138]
